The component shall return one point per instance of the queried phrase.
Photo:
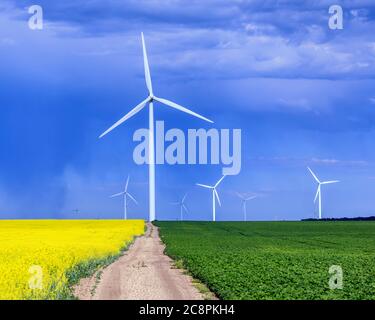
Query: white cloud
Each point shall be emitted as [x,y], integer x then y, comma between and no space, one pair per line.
[259,29]
[298,104]
[339,162]
[7,42]
[232,40]
[307,161]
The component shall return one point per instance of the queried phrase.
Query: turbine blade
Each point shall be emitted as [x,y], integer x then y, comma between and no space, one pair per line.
[127,116]
[184,198]
[317,194]
[117,194]
[217,197]
[222,178]
[240,196]
[251,198]
[204,186]
[329,182]
[127,184]
[181,108]
[147,67]
[185,208]
[131,197]
[313,174]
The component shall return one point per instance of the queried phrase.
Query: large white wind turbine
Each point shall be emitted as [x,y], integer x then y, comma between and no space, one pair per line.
[244,200]
[214,195]
[182,206]
[151,147]
[126,194]
[319,191]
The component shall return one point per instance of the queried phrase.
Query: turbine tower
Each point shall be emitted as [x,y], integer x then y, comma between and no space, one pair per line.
[319,191]
[126,194]
[182,206]
[151,144]
[214,195]
[244,200]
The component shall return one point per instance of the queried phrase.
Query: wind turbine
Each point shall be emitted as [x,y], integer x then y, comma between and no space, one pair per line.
[319,191]
[214,195]
[126,194]
[151,145]
[182,206]
[244,200]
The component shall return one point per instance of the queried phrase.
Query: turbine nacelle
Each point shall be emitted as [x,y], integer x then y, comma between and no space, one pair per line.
[151,99]
[245,198]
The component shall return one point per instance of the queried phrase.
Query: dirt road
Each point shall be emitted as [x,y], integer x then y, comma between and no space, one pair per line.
[142,273]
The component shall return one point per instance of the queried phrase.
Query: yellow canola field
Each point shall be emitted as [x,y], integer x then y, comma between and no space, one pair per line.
[35,255]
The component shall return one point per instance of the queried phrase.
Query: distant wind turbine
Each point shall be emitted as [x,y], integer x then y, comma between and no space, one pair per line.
[126,194]
[214,195]
[319,191]
[182,206]
[151,145]
[244,200]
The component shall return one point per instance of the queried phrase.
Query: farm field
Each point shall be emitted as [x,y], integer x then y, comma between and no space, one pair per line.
[275,260]
[39,259]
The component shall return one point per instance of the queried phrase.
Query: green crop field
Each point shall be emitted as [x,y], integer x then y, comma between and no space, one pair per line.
[276,260]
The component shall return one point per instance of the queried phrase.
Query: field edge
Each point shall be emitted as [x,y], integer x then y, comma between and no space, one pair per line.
[179,263]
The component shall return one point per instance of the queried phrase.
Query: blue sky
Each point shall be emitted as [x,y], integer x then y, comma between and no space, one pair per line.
[302,94]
